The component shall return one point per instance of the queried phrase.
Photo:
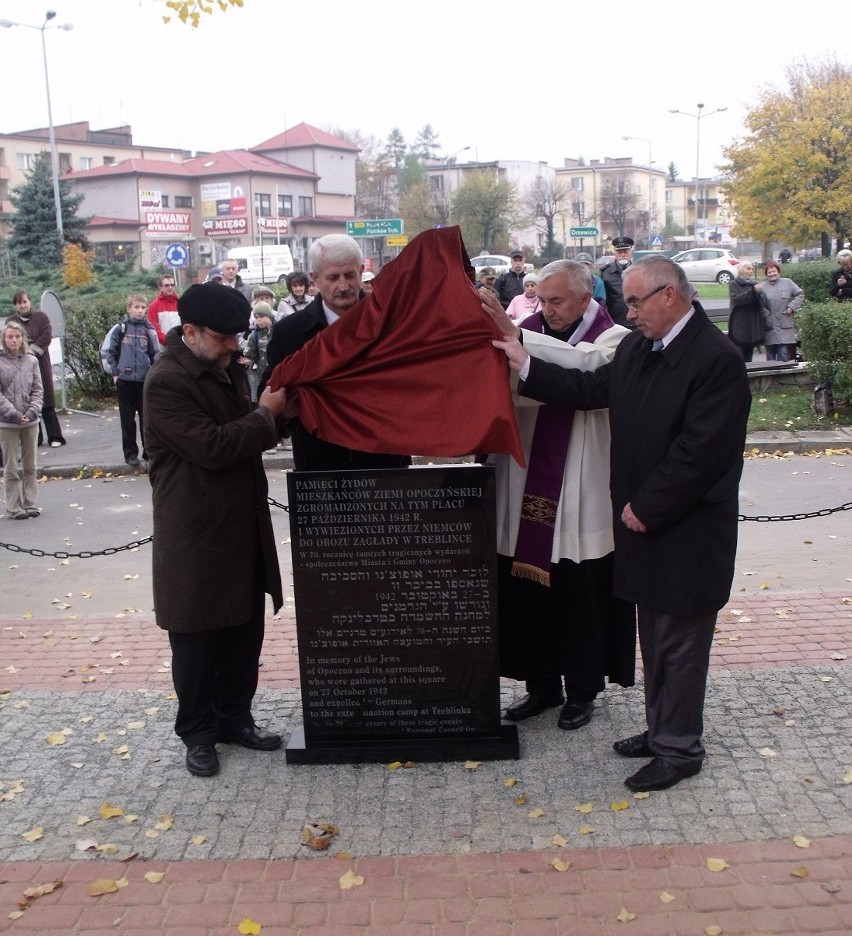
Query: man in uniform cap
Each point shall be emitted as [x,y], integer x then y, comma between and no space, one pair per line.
[511,283]
[214,555]
[612,275]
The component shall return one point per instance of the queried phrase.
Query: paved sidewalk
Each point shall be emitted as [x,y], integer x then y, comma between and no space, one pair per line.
[443,849]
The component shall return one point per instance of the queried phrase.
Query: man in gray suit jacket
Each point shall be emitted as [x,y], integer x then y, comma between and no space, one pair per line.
[679,399]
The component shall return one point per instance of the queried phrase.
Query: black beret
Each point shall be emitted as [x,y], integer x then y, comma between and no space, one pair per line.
[220,308]
[619,243]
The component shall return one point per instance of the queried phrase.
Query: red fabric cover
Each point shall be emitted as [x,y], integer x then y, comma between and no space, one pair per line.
[410,369]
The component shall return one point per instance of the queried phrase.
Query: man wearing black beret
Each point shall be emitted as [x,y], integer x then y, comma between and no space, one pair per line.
[612,275]
[214,553]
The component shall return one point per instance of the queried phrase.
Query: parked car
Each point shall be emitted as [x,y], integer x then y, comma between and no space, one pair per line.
[708,264]
[499,262]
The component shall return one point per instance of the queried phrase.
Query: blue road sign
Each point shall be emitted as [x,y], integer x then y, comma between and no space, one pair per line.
[177,255]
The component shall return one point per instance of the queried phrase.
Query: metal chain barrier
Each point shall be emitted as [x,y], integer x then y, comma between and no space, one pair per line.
[112,550]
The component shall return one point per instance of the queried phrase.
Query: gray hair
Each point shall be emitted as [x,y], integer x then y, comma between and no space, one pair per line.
[334,248]
[663,272]
[578,275]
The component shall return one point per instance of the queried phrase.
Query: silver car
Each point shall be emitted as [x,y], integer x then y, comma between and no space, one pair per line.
[708,265]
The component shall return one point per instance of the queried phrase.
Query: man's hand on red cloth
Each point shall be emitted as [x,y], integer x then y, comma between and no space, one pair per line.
[493,309]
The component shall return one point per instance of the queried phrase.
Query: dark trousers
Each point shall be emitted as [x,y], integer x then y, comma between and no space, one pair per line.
[676,658]
[51,424]
[129,393]
[215,676]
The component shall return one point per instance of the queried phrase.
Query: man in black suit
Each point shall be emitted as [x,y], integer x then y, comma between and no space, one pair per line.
[336,265]
[679,400]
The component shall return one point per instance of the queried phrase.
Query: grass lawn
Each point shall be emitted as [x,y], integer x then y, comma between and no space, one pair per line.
[789,408]
[711,290]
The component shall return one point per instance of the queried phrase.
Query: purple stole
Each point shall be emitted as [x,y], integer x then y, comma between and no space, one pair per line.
[548,453]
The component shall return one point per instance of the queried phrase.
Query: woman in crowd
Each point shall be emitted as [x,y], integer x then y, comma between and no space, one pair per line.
[39,334]
[20,405]
[782,299]
[298,296]
[841,279]
[745,323]
[527,303]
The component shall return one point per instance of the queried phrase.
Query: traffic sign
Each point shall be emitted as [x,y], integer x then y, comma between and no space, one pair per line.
[177,255]
[584,232]
[657,241]
[376,228]
[398,240]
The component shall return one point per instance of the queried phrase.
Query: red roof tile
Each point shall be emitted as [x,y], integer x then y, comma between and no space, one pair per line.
[301,136]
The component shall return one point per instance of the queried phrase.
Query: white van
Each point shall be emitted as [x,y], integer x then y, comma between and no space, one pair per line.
[270,264]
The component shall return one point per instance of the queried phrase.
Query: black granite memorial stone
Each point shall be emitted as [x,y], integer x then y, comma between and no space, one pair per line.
[395,585]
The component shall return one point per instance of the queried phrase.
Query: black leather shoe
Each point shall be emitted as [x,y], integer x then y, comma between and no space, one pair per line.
[634,746]
[258,739]
[575,714]
[533,704]
[202,760]
[659,775]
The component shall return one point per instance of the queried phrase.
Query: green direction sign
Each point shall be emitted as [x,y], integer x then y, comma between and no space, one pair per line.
[584,232]
[382,228]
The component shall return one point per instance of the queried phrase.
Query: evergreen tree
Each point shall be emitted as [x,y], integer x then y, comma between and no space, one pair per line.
[395,148]
[34,237]
[672,171]
[426,144]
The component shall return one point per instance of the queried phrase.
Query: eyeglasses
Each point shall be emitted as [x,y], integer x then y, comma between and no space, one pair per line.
[216,336]
[634,303]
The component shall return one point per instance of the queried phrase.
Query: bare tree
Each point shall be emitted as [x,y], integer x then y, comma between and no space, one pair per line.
[543,200]
[618,199]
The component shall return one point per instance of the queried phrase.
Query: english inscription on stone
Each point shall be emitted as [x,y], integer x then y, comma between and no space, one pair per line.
[395,586]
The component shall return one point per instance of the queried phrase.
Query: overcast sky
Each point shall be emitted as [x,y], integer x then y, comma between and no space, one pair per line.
[536,81]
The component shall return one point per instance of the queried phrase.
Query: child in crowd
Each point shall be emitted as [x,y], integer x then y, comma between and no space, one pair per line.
[133,349]
[254,351]
[20,405]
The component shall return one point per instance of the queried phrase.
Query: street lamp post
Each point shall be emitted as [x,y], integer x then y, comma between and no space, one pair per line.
[650,191]
[48,16]
[697,117]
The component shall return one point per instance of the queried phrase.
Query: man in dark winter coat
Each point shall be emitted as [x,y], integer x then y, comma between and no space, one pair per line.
[511,283]
[214,550]
[613,274]
[679,399]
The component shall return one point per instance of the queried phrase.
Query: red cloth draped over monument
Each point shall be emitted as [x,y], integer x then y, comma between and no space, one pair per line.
[410,369]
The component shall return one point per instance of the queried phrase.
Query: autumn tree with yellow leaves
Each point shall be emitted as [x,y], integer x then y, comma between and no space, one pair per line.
[790,178]
[189,11]
[77,266]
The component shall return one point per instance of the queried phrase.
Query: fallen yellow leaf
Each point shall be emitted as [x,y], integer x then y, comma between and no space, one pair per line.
[621,804]
[102,886]
[587,829]
[41,889]
[248,927]
[801,842]
[110,812]
[165,823]
[35,833]
[800,872]
[641,796]
[350,880]
[198,839]
[625,916]
[154,877]
[716,864]
[559,841]
[847,777]
[666,897]
[559,865]
[713,930]
[585,809]
[536,813]
[471,764]
[57,737]
[108,849]
[152,833]
[510,782]
[395,765]
[520,799]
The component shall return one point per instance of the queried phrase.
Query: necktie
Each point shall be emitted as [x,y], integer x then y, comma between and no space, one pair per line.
[658,345]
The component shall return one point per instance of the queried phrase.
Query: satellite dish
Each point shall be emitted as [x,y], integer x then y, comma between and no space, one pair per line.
[52,308]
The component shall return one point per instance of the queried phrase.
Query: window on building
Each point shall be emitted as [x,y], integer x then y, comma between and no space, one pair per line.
[306,206]
[577,183]
[64,162]
[436,183]
[24,160]
[109,160]
[285,206]
[669,195]
[262,205]
[87,162]
[164,201]
[183,201]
